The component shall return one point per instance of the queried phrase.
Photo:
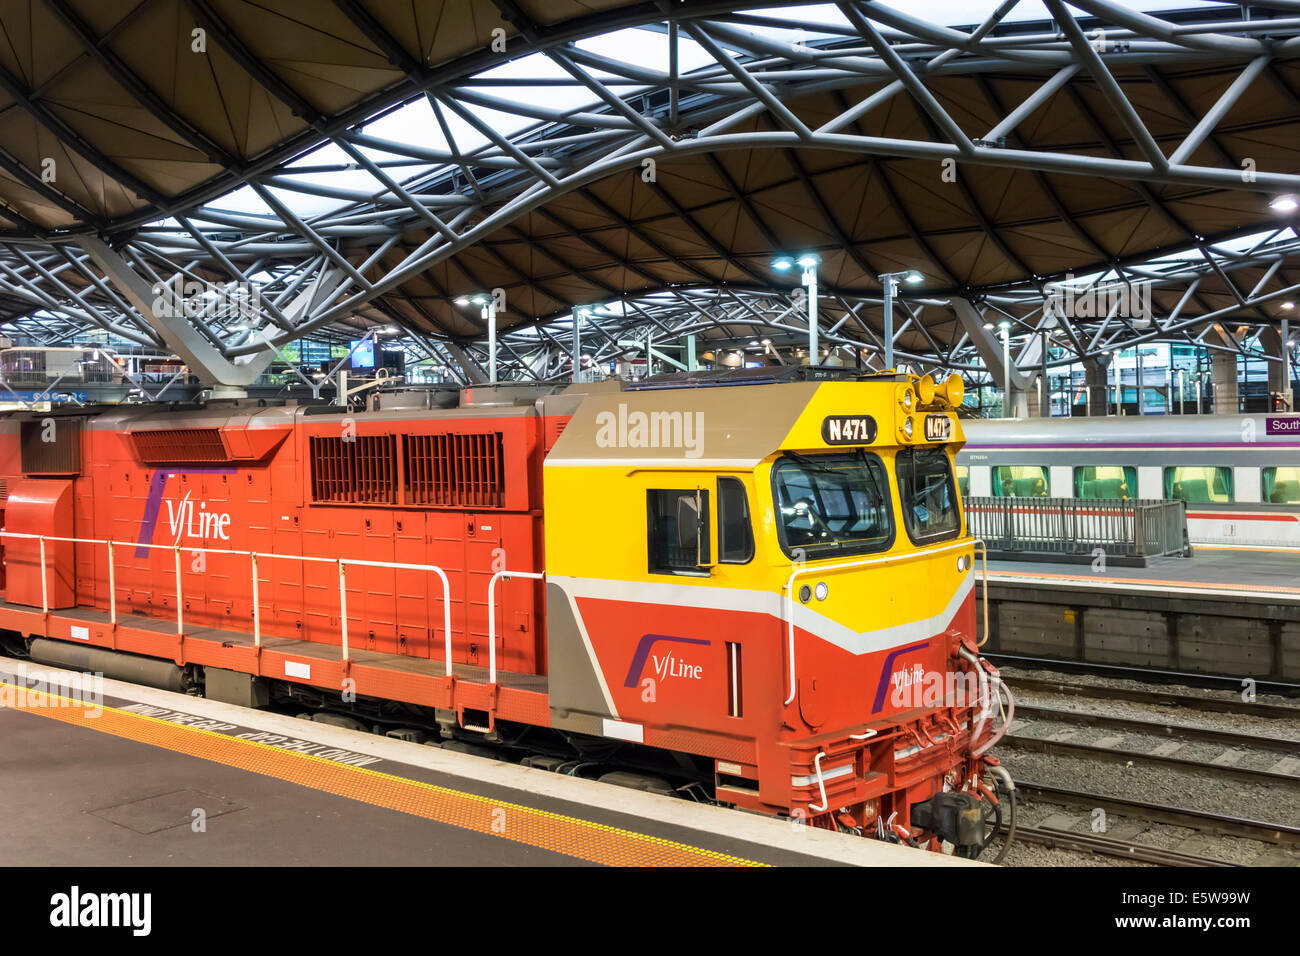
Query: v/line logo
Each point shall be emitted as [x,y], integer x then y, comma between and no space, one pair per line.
[184,520]
[665,665]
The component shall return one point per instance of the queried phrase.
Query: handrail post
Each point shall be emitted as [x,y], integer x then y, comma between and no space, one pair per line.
[180,600]
[343,607]
[446,614]
[492,614]
[492,625]
[112,588]
[257,611]
[45,585]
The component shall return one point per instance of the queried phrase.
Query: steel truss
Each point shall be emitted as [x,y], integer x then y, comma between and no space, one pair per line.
[435,222]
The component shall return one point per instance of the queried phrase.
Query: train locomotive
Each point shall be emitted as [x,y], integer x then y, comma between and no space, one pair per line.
[759,592]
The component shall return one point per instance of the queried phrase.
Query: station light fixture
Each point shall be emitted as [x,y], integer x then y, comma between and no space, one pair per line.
[808,262]
[1288,305]
[1284,204]
[889,281]
[488,310]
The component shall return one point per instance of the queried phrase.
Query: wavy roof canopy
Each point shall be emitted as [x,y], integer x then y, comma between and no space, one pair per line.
[359,161]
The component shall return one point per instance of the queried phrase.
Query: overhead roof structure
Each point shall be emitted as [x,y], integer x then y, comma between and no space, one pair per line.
[357,162]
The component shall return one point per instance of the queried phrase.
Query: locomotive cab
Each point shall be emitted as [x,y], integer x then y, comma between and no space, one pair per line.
[803,601]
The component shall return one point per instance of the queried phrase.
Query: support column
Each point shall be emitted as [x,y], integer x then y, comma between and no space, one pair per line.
[1037,403]
[1223,375]
[1224,371]
[1018,406]
[1271,341]
[1097,392]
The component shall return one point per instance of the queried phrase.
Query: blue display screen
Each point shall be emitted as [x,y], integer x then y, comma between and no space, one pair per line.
[363,353]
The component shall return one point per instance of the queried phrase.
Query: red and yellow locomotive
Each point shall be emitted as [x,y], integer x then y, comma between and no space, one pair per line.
[762,590]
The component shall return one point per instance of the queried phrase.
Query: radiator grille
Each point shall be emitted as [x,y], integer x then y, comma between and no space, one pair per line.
[179,444]
[455,470]
[360,471]
[51,446]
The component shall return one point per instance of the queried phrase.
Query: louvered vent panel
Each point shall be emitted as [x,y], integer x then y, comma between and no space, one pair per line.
[455,470]
[360,471]
[4,488]
[166,445]
[51,446]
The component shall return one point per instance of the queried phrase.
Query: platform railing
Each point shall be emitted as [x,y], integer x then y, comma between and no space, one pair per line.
[254,556]
[1119,526]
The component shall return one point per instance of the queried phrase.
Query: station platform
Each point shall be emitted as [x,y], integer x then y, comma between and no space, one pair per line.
[1224,610]
[130,775]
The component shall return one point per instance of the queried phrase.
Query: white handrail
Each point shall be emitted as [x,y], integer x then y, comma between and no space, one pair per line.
[343,606]
[253,556]
[112,588]
[821,783]
[257,610]
[45,587]
[492,615]
[823,569]
[180,617]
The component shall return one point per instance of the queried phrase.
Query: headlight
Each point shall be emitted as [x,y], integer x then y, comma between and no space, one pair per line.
[907,428]
[822,590]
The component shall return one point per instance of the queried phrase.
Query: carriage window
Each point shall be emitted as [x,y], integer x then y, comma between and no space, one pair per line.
[679,530]
[1199,484]
[1020,481]
[735,534]
[925,490]
[963,481]
[1105,481]
[1281,486]
[832,503]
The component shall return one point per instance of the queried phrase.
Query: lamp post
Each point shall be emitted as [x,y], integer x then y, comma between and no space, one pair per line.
[1006,369]
[889,281]
[808,262]
[488,310]
[579,314]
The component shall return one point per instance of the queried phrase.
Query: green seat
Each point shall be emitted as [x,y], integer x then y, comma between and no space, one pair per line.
[1195,489]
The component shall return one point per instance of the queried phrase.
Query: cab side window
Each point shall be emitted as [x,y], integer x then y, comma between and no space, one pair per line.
[678,530]
[735,532]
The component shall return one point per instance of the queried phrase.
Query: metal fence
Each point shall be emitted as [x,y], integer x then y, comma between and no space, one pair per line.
[1120,526]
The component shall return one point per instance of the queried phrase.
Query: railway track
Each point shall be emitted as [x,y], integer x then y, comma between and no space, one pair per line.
[1122,849]
[1154,695]
[1284,771]
[1119,842]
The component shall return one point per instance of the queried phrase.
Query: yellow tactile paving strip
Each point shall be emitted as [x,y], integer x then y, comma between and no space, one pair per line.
[571,836]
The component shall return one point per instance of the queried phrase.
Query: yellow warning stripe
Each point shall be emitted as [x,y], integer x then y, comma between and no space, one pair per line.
[571,836]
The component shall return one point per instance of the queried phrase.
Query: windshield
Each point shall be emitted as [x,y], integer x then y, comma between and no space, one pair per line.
[832,503]
[925,490]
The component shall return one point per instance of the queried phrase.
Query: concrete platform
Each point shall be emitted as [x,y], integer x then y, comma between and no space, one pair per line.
[1228,611]
[138,776]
